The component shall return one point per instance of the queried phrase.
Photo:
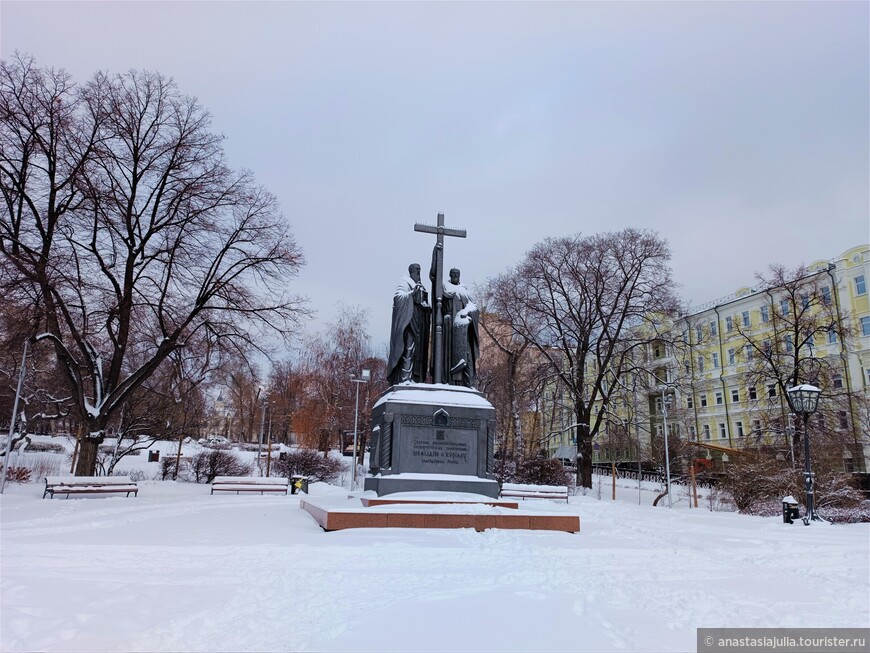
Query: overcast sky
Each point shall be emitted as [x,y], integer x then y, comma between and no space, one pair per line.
[739,131]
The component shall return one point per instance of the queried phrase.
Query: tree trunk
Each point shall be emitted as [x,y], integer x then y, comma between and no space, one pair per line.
[584,447]
[86,465]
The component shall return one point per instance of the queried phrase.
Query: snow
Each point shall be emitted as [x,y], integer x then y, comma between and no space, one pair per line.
[179,570]
[440,395]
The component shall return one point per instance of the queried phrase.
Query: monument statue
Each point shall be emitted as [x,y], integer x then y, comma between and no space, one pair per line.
[461,320]
[409,333]
[437,435]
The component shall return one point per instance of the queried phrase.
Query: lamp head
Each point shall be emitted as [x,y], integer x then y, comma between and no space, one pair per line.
[804,398]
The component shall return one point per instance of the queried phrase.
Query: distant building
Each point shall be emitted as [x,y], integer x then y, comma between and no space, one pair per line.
[721,376]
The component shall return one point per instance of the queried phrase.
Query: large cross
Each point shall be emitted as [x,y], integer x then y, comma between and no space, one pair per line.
[437,291]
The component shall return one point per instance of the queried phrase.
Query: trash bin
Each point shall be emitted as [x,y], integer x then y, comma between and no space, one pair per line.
[299,483]
[790,510]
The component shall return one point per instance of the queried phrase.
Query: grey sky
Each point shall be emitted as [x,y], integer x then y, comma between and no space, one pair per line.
[739,131]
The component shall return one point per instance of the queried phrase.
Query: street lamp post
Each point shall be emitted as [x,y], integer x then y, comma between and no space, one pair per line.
[364,377]
[665,401]
[804,400]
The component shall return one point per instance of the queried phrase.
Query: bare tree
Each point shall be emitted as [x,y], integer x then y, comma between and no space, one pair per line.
[587,304]
[125,227]
[327,408]
[802,338]
[508,374]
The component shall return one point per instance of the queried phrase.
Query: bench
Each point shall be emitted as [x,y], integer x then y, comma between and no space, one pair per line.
[88,485]
[525,491]
[259,484]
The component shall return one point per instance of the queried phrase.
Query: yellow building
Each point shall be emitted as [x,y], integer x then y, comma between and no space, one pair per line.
[723,375]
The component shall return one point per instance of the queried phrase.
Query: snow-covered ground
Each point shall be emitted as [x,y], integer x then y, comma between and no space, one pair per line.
[179,570]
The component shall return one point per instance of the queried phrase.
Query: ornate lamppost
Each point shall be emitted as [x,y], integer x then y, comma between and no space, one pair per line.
[804,400]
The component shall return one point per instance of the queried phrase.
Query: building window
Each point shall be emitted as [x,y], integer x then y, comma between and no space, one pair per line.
[739,429]
[698,334]
[771,390]
[658,352]
[826,296]
[719,398]
[784,307]
[865,326]
[756,426]
[735,395]
[745,318]
[867,375]
[713,330]
[732,357]
[692,433]
[766,347]
[686,336]
[752,393]
[844,419]
[811,340]
[715,361]
[860,285]
[748,352]
[700,363]
[722,430]
[704,400]
[837,380]
[789,345]
[706,431]
[805,300]
[729,324]
[689,402]
[832,335]
[765,314]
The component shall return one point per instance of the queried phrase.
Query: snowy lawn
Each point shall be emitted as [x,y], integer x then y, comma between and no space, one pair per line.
[179,570]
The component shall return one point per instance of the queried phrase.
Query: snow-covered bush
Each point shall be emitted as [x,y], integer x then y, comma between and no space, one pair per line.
[45,464]
[542,471]
[310,463]
[135,475]
[48,447]
[205,465]
[757,484]
[167,467]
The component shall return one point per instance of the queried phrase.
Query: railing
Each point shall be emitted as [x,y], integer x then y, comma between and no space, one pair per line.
[625,470]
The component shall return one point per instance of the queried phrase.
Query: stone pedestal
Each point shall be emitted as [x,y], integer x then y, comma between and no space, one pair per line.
[432,437]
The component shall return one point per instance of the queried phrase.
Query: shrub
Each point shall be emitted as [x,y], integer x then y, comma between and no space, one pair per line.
[135,475]
[45,464]
[542,471]
[206,465]
[17,475]
[758,483]
[310,463]
[167,467]
[48,447]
